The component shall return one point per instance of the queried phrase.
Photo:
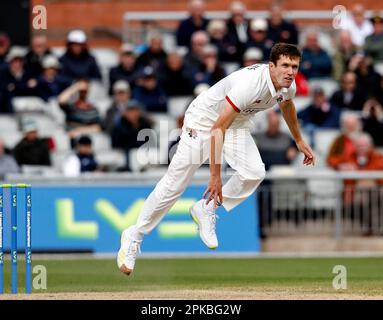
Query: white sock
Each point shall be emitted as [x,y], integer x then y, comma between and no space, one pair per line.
[136,235]
[209,206]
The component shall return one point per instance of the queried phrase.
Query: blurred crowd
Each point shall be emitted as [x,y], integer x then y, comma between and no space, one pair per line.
[147,76]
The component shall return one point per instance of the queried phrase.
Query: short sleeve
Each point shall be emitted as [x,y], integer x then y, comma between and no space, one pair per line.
[291,91]
[240,96]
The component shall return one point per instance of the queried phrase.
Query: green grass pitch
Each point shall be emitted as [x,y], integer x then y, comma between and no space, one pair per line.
[364,275]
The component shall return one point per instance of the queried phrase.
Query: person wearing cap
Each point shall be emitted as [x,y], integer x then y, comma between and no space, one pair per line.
[176,77]
[51,83]
[258,37]
[127,127]
[15,78]
[320,113]
[228,50]
[77,62]
[82,117]
[127,68]
[316,62]
[38,51]
[373,46]
[154,55]
[252,56]
[238,26]
[279,29]
[82,160]
[121,96]
[210,70]
[31,149]
[195,22]
[149,92]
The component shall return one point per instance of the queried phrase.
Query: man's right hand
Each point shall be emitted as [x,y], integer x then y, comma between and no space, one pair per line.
[214,190]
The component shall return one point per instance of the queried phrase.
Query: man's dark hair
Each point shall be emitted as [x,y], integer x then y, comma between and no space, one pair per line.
[284,49]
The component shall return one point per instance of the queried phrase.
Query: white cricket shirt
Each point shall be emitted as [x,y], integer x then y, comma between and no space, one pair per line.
[248,90]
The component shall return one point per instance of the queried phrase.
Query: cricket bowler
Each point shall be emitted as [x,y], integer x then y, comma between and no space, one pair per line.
[226,107]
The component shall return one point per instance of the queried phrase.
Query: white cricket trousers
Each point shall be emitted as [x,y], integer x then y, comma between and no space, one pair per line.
[240,152]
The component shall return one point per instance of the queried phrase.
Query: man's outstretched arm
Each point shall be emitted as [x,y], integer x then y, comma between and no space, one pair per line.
[290,115]
[225,119]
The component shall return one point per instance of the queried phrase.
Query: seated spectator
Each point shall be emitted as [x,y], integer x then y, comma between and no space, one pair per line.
[315,62]
[357,24]
[32,150]
[176,78]
[127,68]
[131,122]
[77,62]
[373,46]
[81,116]
[194,57]
[154,55]
[82,160]
[149,92]
[349,97]
[195,22]
[321,113]
[227,50]
[258,37]
[15,79]
[5,44]
[368,80]
[372,118]
[275,146]
[344,144]
[210,70]
[34,57]
[50,83]
[280,30]
[238,26]
[7,162]
[252,56]
[357,193]
[121,96]
[344,51]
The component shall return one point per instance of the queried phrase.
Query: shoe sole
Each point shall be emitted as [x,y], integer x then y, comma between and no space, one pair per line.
[123,268]
[199,229]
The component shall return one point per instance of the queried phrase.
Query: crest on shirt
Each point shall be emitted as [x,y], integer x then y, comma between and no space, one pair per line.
[280,98]
[192,133]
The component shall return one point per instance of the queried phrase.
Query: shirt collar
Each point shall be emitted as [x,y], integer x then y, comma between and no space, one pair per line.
[271,85]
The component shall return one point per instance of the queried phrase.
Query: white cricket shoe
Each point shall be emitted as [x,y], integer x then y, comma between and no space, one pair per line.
[205,220]
[128,252]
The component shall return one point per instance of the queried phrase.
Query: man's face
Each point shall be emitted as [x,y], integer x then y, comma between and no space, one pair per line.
[285,71]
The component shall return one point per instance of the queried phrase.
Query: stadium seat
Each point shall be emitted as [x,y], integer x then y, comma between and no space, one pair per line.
[323,140]
[62,141]
[101,142]
[379,68]
[328,85]
[28,104]
[302,102]
[230,67]
[142,158]
[8,123]
[11,138]
[178,105]
[112,159]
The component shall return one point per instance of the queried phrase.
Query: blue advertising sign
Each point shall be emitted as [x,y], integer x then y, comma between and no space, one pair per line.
[91,218]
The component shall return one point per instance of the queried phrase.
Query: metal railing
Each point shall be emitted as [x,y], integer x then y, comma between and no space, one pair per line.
[321,204]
